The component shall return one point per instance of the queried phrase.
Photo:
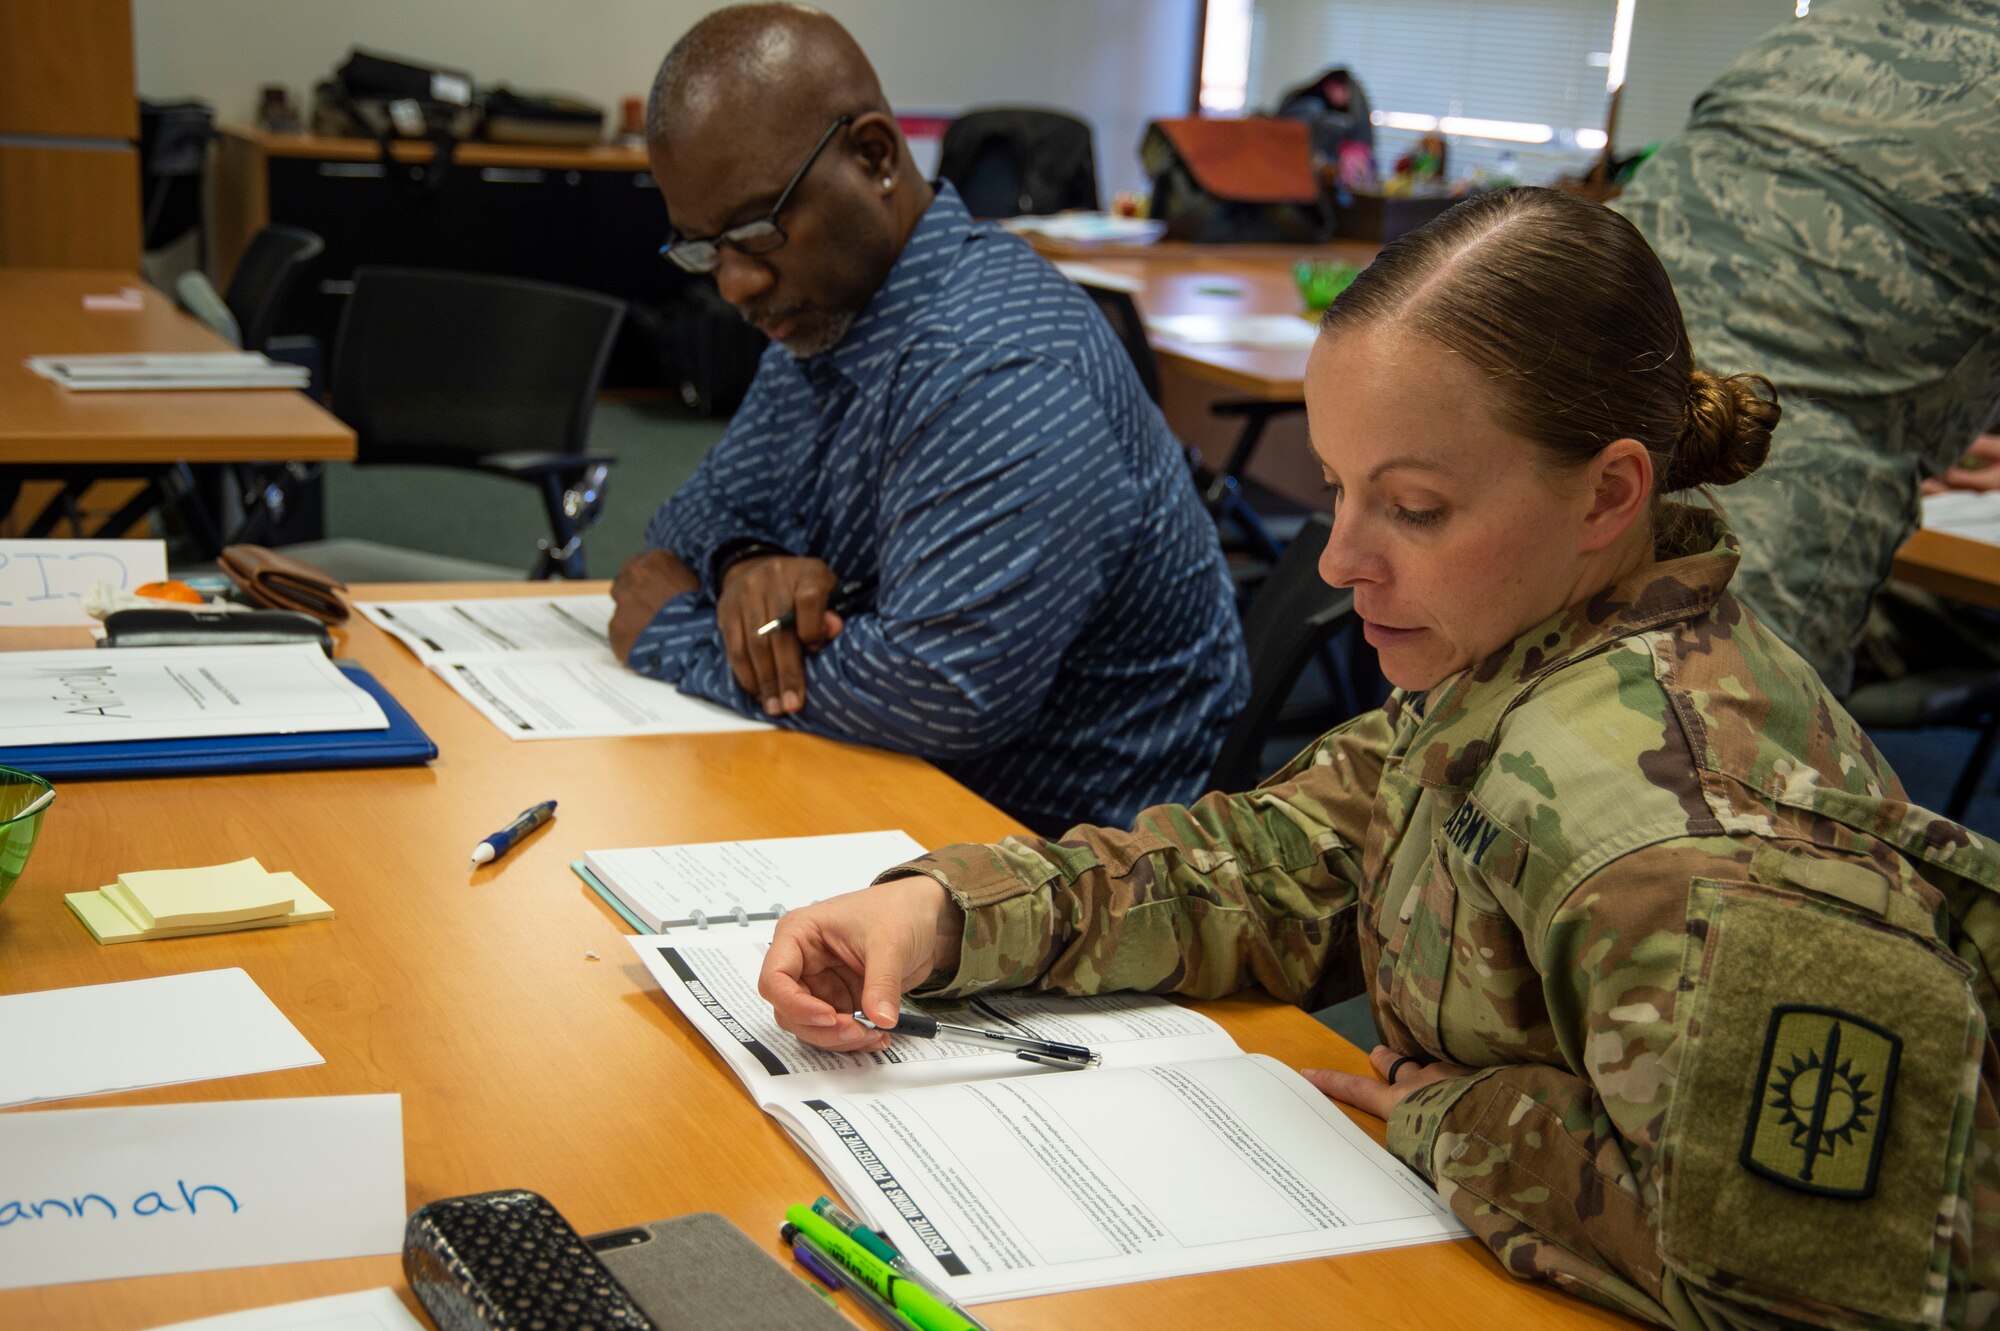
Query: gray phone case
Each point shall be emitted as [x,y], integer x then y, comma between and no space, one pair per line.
[699,1272]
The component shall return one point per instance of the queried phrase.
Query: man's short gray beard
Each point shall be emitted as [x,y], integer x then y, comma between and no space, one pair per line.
[826,339]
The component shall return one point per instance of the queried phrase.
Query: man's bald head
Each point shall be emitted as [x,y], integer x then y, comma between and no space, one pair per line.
[761,64]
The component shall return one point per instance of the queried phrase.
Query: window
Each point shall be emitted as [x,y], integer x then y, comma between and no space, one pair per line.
[1520,83]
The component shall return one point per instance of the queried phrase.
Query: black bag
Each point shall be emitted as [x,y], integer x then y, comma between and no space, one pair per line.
[1234,181]
[541,118]
[384,98]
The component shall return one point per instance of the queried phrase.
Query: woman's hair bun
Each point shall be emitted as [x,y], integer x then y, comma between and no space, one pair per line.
[1726,431]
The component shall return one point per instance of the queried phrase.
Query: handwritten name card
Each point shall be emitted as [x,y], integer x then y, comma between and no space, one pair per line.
[43,582]
[95,1194]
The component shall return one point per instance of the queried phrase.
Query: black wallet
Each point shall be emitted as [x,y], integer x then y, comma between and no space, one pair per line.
[212,628]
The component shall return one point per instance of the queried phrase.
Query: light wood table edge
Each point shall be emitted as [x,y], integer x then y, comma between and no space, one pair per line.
[1437,1285]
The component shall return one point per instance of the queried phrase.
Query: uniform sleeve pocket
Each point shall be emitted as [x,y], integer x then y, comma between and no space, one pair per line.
[1818,1130]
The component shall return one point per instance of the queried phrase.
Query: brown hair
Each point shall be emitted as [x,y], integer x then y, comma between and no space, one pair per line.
[1566,311]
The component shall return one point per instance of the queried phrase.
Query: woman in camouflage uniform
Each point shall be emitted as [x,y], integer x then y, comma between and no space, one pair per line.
[1686,1008]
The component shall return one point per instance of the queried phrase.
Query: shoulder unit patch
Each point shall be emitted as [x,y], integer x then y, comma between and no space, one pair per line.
[1821,1112]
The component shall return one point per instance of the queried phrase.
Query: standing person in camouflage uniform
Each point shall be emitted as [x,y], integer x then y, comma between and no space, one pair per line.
[1831,217]
[1686,1007]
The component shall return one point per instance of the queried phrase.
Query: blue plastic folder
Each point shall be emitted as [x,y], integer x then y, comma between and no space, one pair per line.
[404,743]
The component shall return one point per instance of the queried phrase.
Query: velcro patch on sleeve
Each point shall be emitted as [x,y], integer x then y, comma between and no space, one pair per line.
[1828,1079]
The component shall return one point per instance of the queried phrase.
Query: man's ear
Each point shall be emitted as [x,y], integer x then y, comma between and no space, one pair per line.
[878,143]
[1620,487]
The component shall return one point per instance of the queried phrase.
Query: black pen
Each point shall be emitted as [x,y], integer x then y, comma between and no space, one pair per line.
[843,597]
[1046,1052]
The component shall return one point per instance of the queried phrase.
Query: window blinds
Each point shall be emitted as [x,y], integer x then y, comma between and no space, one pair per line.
[1533,62]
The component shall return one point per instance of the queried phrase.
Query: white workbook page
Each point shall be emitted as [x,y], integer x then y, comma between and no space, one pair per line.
[544,696]
[497,625]
[1000,1189]
[712,978]
[90,696]
[715,878]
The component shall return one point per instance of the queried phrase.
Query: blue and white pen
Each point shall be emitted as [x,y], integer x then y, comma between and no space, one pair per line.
[502,841]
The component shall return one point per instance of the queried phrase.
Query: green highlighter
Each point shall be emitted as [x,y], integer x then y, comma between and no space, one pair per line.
[923,1308]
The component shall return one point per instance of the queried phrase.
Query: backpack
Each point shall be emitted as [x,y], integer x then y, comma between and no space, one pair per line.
[1247,180]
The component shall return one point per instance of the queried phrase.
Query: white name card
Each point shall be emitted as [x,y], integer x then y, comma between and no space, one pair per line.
[96,1194]
[43,582]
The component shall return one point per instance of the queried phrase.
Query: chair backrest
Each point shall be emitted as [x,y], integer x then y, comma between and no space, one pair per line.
[444,368]
[197,295]
[1292,619]
[1123,316]
[264,276]
[1009,161]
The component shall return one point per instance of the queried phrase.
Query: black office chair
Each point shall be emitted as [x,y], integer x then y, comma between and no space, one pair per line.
[1017,161]
[1951,697]
[1292,624]
[491,374]
[1221,493]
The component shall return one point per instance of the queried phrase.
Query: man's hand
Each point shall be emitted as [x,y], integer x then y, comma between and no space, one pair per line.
[1380,1097]
[1979,469]
[772,668]
[647,582]
[858,953]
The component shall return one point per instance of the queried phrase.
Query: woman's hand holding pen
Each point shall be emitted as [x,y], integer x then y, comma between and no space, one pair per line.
[771,667]
[861,951]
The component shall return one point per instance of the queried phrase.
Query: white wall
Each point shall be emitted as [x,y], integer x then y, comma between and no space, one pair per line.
[1117,63]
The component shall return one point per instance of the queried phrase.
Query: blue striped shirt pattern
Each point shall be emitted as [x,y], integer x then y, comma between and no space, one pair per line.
[1053,624]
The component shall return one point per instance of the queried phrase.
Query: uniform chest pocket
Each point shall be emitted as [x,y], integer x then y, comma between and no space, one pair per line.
[1416,955]
[1821,1114]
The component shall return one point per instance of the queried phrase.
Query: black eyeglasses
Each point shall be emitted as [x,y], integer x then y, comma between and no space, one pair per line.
[758,237]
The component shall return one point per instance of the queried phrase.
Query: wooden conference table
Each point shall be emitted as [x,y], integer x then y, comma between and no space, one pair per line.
[525,1061]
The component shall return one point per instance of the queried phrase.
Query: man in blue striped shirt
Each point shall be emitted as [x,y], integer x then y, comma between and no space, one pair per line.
[946,431]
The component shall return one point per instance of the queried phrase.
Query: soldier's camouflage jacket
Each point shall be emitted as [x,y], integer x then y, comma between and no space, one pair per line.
[1830,218]
[1727,993]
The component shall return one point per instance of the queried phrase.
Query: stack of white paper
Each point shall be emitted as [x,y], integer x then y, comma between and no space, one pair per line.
[220,369]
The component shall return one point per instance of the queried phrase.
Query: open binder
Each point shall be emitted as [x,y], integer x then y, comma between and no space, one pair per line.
[404,743]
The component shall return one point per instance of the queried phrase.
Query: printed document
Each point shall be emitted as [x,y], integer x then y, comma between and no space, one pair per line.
[541,668]
[136,693]
[1178,1154]
[719,883]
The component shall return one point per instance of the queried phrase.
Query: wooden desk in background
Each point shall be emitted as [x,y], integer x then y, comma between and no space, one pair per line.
[42,314]
[51,438]
[524,1061]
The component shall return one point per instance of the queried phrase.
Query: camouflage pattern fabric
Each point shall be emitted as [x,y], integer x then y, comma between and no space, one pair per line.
[1830,218]
[1727,993]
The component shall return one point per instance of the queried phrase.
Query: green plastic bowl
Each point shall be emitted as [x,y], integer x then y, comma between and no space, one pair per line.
[24,802]
[1321,280]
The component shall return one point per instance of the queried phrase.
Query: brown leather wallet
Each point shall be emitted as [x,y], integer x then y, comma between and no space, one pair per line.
[276,581]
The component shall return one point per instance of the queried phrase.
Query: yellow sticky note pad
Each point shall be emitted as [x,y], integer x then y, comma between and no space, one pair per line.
[219,894]
[100,913]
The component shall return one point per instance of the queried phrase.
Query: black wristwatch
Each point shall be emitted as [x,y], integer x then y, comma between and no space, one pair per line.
[731,553]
